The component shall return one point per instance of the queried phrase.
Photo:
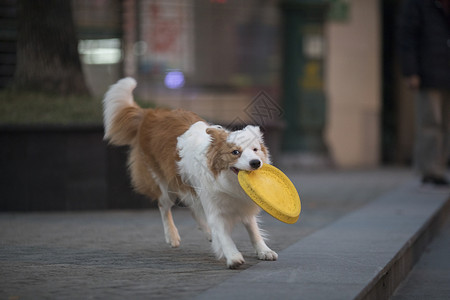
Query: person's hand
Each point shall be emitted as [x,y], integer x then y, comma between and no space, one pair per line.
[413,82]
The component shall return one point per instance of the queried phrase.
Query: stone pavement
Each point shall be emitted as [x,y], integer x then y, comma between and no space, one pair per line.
[430,278]
[363,255]
[122,254]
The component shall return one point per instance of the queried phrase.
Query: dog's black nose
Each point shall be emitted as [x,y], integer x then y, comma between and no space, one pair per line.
[255,164]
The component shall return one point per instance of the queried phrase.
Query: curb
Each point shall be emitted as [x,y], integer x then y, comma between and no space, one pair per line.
[384,285]
[363,255]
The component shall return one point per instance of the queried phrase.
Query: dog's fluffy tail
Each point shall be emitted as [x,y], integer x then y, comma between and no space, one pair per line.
[121,115]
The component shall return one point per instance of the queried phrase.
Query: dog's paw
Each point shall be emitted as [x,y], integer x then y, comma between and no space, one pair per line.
[235,261]
[173,240]
[207,232]
[175,243]
[268,255]
[208,235]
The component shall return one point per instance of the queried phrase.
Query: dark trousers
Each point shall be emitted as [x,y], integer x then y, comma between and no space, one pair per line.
[432,144]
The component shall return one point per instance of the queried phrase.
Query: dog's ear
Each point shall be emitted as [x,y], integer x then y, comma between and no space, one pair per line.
[217,133]
[266,158]
[255,130]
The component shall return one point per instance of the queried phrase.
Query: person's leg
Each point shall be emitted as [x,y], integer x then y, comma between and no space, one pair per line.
[446,126]
[429,153]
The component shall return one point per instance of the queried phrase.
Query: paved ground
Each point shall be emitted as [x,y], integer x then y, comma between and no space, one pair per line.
[430,278]
[363,255]
[122,254]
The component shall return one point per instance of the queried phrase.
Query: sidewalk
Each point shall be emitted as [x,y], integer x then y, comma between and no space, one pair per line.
[430,277]
[363,255]
[122,254]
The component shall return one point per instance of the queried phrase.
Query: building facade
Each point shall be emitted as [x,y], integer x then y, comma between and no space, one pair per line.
[217,57]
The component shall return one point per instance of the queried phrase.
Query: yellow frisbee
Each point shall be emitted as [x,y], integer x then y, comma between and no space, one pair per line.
[271,190]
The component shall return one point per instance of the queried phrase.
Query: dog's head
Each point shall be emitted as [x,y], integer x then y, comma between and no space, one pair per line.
[238,150]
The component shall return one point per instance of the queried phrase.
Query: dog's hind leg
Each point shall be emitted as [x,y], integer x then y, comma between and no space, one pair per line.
[144,182]
[262,250]
[165,204]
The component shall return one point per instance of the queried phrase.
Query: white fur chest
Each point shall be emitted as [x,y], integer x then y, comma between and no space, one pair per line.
[192,148]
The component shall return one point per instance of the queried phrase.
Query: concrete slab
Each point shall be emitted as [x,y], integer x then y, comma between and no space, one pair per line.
[348,259]
[430,278]
[122,254]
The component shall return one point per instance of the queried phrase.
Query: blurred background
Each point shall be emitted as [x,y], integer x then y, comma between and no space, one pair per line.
[321,78]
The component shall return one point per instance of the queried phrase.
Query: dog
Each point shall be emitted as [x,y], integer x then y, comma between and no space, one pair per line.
[175,155]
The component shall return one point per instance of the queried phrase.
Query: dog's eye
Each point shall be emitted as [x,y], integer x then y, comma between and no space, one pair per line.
[235,152]
[255,149]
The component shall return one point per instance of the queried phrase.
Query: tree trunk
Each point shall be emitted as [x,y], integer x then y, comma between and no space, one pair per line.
[47,48]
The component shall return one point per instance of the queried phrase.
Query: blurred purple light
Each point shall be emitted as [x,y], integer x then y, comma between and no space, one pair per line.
[174,79]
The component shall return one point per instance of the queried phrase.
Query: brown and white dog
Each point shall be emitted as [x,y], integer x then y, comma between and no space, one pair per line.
[175,154]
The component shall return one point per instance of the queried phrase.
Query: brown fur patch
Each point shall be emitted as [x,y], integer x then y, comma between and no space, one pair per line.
[219,154]
[266,153]
[157,142]
[141,178]
[124,126]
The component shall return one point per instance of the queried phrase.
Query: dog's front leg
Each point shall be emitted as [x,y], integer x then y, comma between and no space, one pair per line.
[222,243]
[221,228]
[262,250]
[199,215]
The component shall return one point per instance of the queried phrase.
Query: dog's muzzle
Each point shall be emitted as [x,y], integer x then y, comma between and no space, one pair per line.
[255,164]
